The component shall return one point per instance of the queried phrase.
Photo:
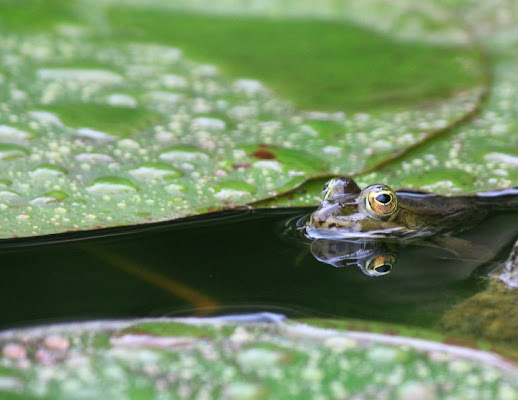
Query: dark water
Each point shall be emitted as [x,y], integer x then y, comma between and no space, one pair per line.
[231,263]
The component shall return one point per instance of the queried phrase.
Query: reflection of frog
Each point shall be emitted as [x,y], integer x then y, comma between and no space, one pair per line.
[373,257]
[379,212]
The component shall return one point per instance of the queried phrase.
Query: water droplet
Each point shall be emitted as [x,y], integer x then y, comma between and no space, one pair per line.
[233,190]
[94,134]
[155,171]
[94,158]
[248,86]
[97,76]
[175,188]
[206,70]
[230,194]
[7,194]
[12,134]
[332,150]
[46,117]
[183,154]
[172,81]
[162,97]
[122,100]
[205,123]
[268,164]
[259,357]
[111,185]
[47,171]
[242,390]
[41,201]
[11,152]
[503,158]
[128,144]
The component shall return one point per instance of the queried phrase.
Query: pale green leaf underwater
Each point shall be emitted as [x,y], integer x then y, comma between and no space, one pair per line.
[212,359]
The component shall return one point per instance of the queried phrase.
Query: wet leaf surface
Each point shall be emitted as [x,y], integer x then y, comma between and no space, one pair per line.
[105,127]
[243,357]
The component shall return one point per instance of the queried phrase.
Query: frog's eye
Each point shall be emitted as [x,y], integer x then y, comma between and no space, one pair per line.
[338,189]
[381,265]
[380,201]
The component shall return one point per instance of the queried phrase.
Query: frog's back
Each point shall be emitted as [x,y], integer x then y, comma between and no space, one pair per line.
[439,213]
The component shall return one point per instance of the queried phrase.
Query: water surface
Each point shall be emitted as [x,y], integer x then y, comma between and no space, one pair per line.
[232,262]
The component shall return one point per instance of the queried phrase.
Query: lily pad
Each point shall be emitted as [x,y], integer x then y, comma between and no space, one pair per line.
[479,154]
[108,104]
[242,357]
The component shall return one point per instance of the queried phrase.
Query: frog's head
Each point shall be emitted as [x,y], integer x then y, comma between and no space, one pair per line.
[371,211]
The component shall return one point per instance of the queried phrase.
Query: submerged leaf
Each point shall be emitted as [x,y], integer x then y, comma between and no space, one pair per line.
[245,357]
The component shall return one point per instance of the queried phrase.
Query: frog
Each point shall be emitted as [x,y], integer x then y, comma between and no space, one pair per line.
[366,228]
[377,211]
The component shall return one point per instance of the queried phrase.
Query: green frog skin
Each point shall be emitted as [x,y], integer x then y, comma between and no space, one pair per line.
[377,211]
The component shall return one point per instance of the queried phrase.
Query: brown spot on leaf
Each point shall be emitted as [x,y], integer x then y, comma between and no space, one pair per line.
[263,154]
[240,165]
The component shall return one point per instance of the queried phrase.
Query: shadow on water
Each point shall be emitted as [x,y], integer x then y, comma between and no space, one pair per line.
[232,262]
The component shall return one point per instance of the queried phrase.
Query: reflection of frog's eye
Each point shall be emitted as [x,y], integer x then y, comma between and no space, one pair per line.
[381,265]
[380,201]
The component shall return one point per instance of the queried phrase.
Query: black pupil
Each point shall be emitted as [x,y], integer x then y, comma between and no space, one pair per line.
[383,268]
[383,198]
[326,185]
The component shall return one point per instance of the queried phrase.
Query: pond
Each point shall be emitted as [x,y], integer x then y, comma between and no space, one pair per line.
[116,118]
[233,262]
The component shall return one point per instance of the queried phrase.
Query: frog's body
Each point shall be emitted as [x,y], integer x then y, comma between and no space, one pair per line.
[378,211]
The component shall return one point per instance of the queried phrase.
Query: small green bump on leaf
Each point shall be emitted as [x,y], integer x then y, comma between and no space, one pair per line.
[111,185]
[155,171]
[11,151]
[4,183]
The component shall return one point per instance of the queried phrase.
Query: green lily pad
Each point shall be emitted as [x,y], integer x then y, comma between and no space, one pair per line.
[232,358]
[113,112]
[478,155]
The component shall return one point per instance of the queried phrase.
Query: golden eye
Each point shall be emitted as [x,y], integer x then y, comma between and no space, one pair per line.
[381,265]
[380,201]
